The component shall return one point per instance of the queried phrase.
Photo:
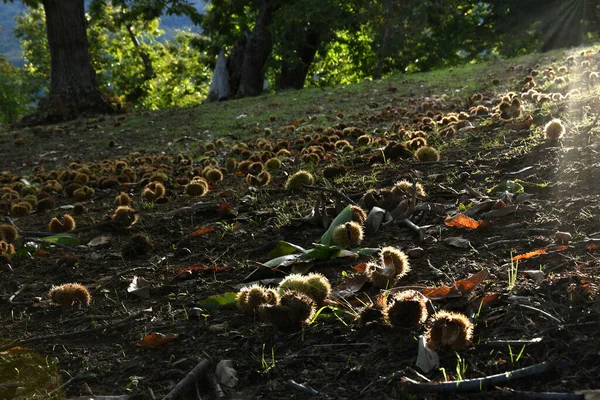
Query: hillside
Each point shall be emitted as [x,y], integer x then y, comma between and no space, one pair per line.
[11,49]
[502,229]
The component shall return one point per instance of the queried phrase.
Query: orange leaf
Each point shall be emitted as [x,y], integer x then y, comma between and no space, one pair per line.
[360,267]
[296,123]
[41,253]
[153,340]
[202,231]
[591,247]
[461,221]
[440,292]
[530,254]
[189,272]
[226,211]
[484,302]
[468,284]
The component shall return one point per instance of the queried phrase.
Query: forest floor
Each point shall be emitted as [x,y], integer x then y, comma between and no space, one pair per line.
[156,312]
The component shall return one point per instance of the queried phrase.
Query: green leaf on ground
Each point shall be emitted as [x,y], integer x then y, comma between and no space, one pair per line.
[342,218]
[284,248]
[67,239]
[226,299]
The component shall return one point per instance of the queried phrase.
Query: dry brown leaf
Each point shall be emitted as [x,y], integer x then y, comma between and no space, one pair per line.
[468,284]
[535,253]
[350,286]
[156,339]
[202,231]
[440,292]
[463,221]
[360,267]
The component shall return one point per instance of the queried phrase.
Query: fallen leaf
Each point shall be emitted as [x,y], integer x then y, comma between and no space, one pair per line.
[201,231]
[360,267]
[461,221]
[350,286]
[537,275]
[591,247]
[41,253]
[440,292]
[100,241]
[427,359]
[226,211]
[156,339]
[226,374]
[457,242]
[480,303]
[468,284]
[140,287]
[226,299]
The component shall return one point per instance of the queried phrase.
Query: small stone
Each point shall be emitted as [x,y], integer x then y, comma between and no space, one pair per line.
[416,252]
[562,237]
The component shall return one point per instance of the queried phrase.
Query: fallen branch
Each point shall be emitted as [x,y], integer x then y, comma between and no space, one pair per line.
[474,385]
[20,342]
[189,382]
[516,394]
[301,388]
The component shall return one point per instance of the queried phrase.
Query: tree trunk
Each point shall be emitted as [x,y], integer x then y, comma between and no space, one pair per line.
[247,59]
[293,73]
[73,87]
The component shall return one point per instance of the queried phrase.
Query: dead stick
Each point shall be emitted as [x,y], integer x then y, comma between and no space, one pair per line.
[541,395]
[476,385]
[33,339]
[334,191]
[216,387]
[301,388]
[189,381]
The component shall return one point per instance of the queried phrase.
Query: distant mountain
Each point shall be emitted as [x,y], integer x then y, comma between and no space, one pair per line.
[10,48]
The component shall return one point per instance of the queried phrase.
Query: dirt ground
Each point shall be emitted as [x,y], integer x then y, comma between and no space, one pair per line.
[541,308]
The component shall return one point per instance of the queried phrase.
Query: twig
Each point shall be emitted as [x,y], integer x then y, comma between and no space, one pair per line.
[189,381]
[334,191]
[15,294]
[33,339]
[590,126]
[504,343]
[517,394]
[301,388]
[216,387]
[64,385]
[476,385]
[12,385]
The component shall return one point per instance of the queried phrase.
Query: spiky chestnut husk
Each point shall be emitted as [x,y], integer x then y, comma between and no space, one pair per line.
[364,140]
[332,171]
[299,179]
[158,177]
[251,297]
[70,294]
[153,191]
[124,217]
[83,193]
[230,164]
[395,258]
[427,153]
[370,314]
[137,245]
[349,234]
[6,248]
[554,129]
[57,226]
[20,209]
[293,310]
[406,309]
[380,276]
[255,168]
[264,178]
[45,204]
[449,330]
[123,199]
[405,187]
[196,187]
[252,180]
[295,282]
[318,287]
[213,174]
[273,163]
[8,233]
[358,214]
[311,158]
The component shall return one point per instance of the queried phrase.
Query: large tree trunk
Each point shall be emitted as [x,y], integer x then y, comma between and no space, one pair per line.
[247,59]
[293,72]
[73,89]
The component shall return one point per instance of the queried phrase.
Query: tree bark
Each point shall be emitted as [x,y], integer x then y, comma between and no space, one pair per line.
[73,88]
[293,73]
[247,59]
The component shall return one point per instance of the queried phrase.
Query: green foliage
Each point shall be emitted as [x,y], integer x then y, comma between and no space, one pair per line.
[15,92]
[130,61]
